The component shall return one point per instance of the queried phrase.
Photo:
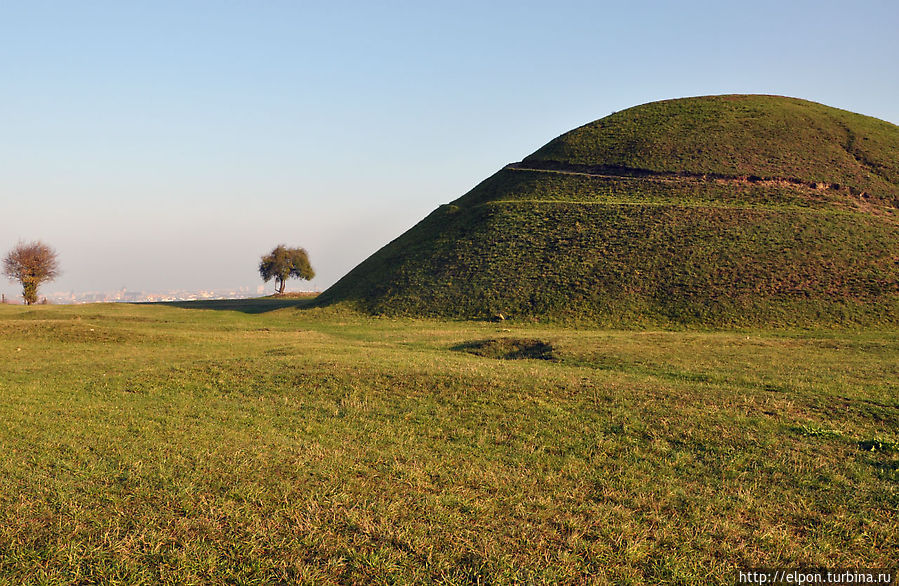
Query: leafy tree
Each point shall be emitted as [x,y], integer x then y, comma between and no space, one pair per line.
[283,263]
[31,264]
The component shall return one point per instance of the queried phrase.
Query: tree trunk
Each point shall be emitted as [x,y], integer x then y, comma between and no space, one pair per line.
[29,292]
[281,288]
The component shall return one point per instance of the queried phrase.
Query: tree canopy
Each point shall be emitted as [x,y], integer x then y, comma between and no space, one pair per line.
[31,264]
[283,263]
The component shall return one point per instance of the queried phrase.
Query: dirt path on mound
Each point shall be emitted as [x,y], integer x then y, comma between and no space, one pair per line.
[609,172]
[862,201]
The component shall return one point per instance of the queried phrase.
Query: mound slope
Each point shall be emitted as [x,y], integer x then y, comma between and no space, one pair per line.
[717,210]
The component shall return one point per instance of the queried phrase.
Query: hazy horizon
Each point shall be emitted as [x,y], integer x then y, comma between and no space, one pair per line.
[169,145]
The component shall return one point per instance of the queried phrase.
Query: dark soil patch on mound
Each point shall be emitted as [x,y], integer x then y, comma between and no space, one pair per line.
[510,349]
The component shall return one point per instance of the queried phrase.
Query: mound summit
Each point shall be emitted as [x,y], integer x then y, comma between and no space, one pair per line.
[718,210]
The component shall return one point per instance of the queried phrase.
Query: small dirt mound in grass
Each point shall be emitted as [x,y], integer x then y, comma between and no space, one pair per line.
[510,349]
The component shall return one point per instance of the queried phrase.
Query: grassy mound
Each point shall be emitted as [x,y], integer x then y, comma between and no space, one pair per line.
[736,210]
[764,136]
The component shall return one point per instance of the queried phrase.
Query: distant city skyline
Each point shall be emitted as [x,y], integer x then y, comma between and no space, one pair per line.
[125,295]
[168,145]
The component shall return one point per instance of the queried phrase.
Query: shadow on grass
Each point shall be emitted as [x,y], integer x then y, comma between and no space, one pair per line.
[259,305]
[509,349]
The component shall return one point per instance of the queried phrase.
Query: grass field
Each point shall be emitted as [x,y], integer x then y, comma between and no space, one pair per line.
[256,442]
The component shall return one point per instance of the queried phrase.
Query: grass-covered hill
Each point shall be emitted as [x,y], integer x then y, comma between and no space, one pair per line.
[734,136]
[722,210]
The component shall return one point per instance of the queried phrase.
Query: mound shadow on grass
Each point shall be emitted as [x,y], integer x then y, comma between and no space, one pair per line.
[510,349]
[258,305]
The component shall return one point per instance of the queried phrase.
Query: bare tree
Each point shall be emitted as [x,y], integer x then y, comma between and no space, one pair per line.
[283,263]
[31,265]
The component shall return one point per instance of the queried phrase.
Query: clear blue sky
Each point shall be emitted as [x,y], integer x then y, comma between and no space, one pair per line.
[161,145]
